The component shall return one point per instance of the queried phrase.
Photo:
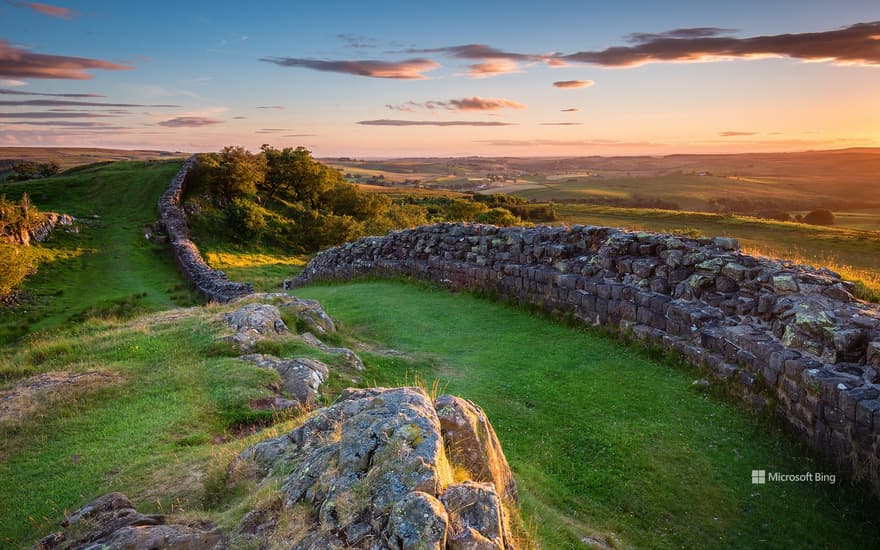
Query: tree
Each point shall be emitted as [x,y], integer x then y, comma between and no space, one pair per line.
[233,172]
[293,175]
[819,217]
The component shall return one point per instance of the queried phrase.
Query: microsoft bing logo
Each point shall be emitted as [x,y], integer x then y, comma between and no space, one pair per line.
[759,477]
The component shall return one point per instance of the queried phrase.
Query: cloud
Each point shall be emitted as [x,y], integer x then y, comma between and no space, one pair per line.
[11,82]
[573,83]
[358,41]
[475,103]
[481,51]
[239,118]
[21,63]
[65,123]
[4,91]
[855,44]
[46,9]
[570,110]
[276,107]
[408,69]
[691,32]
[392,122]
[561,123]
[67,103]
[731,133]
[189,122]
[492,68]
[494,61]
[43,114]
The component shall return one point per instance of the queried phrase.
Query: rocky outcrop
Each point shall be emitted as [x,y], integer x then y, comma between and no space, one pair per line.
[783,337]
[212,283]
[43,230]
[301,378]
[373,470]
[112,522]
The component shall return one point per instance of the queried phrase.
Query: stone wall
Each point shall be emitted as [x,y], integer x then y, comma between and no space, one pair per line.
[212,283]
[785,338]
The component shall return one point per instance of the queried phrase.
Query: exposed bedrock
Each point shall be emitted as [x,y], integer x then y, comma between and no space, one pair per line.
[379,469]
[783,337]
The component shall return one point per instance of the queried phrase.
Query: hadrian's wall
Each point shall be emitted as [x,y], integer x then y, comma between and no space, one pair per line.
[212,283]
[785,338]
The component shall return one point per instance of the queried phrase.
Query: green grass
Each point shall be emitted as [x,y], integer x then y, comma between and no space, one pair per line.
[148,435]
[603,439]
[109,260]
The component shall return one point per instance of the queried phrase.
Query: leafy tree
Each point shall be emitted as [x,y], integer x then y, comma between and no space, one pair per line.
[233,172]
[819,217]
[498,216]
[463,210]
[293,175]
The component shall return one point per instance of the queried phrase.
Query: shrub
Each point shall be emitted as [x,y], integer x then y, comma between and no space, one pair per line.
[819,217]
[15,265]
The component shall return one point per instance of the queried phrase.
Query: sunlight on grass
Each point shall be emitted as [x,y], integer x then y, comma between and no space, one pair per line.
[867,281]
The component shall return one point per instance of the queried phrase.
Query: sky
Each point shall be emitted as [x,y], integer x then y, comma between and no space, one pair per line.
[429,78]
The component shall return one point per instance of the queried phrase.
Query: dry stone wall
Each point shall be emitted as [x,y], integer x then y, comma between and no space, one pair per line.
[212,283]
[785,338]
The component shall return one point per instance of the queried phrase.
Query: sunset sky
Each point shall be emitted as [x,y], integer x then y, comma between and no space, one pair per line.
[420,78]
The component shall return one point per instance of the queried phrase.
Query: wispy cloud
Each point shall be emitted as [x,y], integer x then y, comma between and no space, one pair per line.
[62,123]
[573,83]
[855,44]
[393,122]
[731,133]
[12,82]
[492,68]
[45,114]
[494,61]
[68,103]
[4,91]
[570,110]
[299,135]
[357,41]
[21,63]
[189,122]
[276,107]
[408,69]
[239,118]
[689,32]
[475,103]
[47,9]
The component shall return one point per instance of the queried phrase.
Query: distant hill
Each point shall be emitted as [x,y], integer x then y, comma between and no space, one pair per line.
[70,157]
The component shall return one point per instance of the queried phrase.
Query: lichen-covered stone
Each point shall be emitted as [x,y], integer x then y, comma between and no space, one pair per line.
[373,466]
[471,443]
[301,377]
[112,522]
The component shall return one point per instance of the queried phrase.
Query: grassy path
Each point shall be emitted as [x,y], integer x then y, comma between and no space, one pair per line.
[109,267]
[603,439]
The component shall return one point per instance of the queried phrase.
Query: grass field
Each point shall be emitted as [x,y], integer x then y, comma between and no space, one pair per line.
[108,265]
[690,192]
[602,438]
[69,157]
[606,440]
